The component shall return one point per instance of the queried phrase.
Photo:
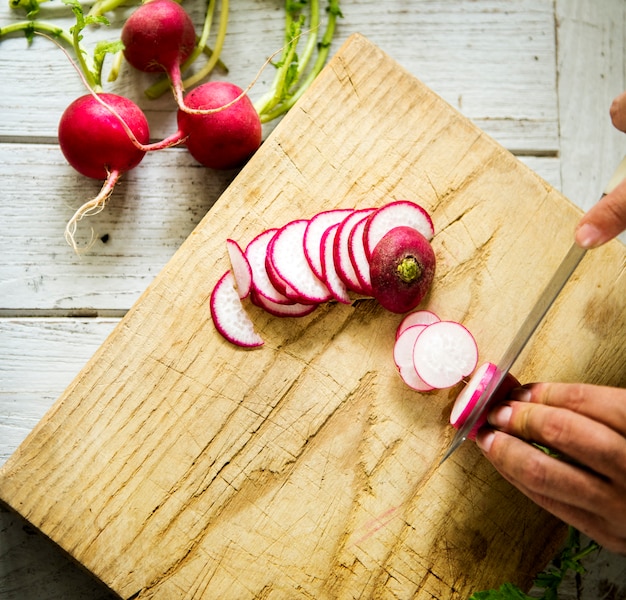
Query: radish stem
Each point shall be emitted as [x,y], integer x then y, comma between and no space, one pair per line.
[409,269]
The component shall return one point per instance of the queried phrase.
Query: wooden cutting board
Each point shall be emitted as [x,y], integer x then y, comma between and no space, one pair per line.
[179,466]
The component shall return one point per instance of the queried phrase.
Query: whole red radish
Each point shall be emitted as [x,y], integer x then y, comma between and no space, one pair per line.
[225,139]
[96,137]
[402,268]
[159,36]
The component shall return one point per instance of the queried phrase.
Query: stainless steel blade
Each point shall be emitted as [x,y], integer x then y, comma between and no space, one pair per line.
[530,324]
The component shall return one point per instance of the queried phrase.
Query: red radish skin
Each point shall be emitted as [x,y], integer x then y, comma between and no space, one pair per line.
[294,309]
[242,271]
[444,353]
[225,139]
[229,315]
[159,36]
[402,268]
[329,274]
[96,144]
[393,214]
[418,317]
[341,250]
[358,257]
[315,229]
[470,394]
[403,358]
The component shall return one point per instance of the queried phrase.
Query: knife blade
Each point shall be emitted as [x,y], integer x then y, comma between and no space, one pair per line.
[543,303]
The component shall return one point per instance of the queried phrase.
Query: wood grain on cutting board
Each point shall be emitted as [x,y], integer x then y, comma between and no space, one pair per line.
[179,466]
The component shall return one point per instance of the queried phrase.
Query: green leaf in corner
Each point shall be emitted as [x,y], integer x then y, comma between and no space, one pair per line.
[506,591]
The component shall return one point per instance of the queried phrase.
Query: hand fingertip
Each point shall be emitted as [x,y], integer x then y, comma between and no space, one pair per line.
[484,439]
[520,394]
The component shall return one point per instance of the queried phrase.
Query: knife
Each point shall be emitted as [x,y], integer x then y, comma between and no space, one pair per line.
[535,316]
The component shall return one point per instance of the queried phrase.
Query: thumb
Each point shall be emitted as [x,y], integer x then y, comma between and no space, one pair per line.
[604,220]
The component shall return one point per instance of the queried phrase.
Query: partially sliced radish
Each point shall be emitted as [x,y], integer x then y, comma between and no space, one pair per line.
[341,250]
[471,393]
[336,286]
[315,229]
[358,257]
[229,315]
[417,317]
[287,257]
[242,271]
[294,309]
[444,353]
[403,357]
[395,214]
[256,253]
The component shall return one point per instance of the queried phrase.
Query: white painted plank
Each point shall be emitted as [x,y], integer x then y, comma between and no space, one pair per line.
[493,60]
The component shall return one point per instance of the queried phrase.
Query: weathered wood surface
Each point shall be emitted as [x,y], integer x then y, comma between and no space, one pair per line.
[306,469]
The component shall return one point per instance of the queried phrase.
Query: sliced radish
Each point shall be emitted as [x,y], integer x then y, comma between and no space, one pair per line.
[242,271]
[418,317]
[286,254]
[444,353]
[395,214]
[229,315]
[341,250]
[315,229]
[282,310]
[256,253]
[334,283]
[403,357]
[358,257]
[471,393]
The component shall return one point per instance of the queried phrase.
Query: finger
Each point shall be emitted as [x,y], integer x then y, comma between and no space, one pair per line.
[618,112]
[576,436]
[604,221]
[606,405]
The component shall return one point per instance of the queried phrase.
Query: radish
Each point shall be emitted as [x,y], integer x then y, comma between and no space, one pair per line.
[286,255]
[444,353]
[159,36]
[358,257]
[329,273]
[225,138]
[97,144]
[393,214]
[315,229]
[293,309]
[418,317]
[242,271]
[471,393]
[229,315]
[403,358]
[402,268]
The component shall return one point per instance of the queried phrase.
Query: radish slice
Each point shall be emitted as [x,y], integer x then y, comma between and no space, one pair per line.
[229,315]
[403,357]
[444,353]
[470,394]
[242,271]
[282,310]
[341,250]
[336,286]
[418,317]
[394,214]
[358,257]
[286,255]
[256,253]
[314,232]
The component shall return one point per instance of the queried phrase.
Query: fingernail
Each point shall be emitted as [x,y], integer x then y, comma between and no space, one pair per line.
[588,236]
[520,395]
[484,439]
[501,416]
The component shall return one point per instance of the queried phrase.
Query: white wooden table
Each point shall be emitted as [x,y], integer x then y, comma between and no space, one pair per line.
[538,75]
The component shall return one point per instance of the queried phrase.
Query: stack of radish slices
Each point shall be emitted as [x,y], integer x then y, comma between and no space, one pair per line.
[289,271]
[432,354]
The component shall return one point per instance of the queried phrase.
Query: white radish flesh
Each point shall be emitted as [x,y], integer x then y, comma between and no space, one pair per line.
[403,358]
[242,271]
[229,315]
[286,254]
[330,276]
[418,317]
[256,253]
[444,353]
[313,235]
[395,214]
